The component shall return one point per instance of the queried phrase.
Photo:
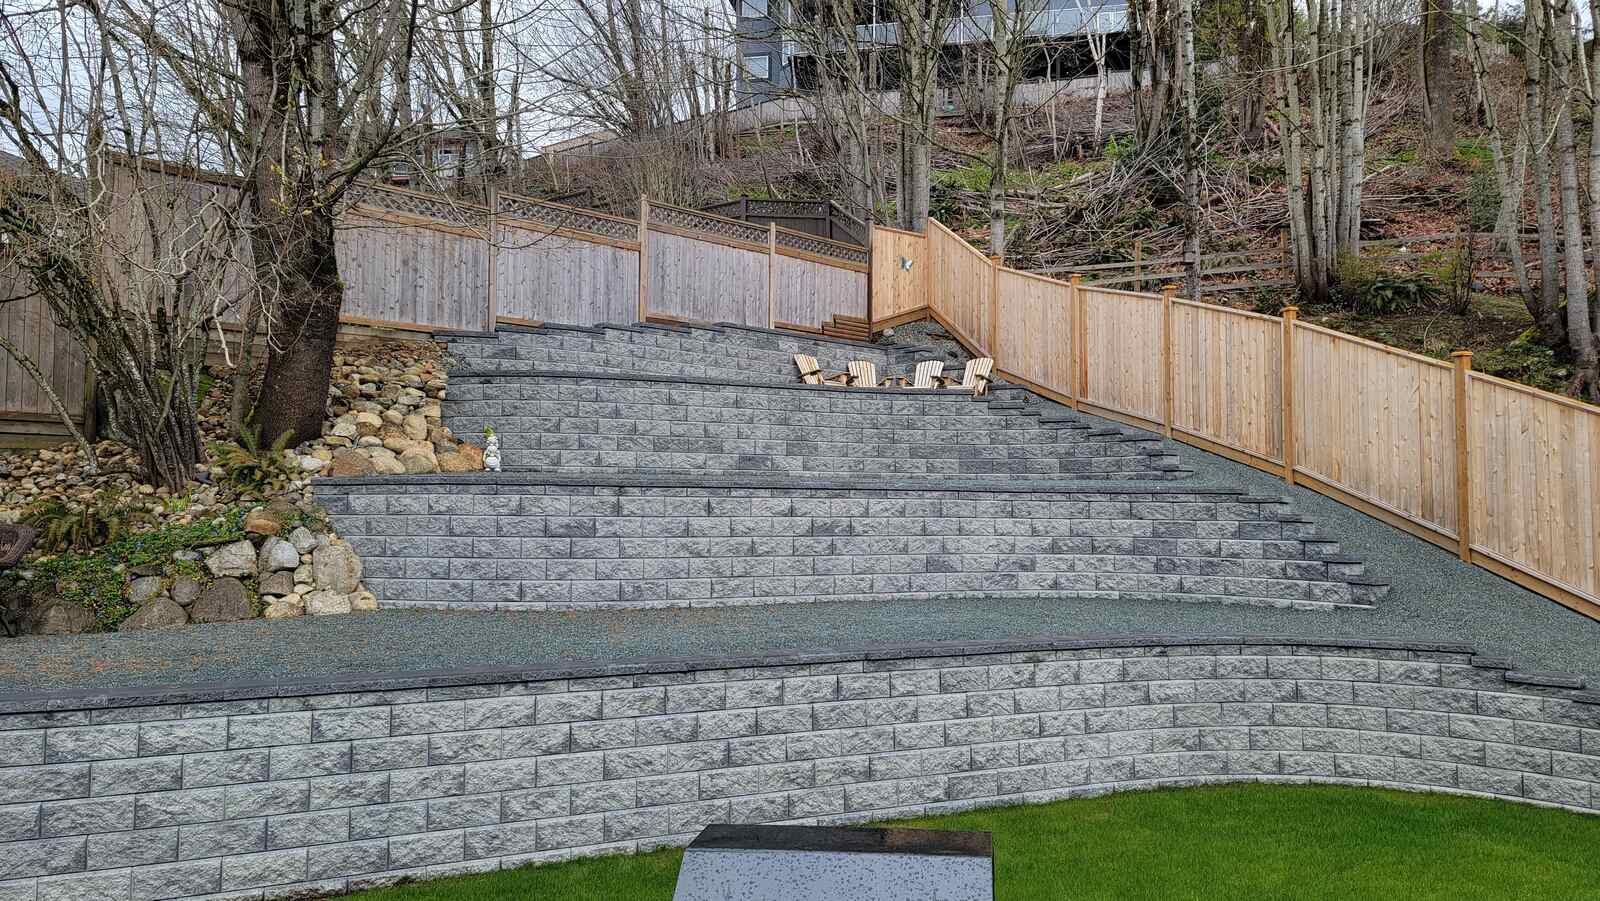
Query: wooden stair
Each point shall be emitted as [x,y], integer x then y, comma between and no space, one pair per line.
[853,327]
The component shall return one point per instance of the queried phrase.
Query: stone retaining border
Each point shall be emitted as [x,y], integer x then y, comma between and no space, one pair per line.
[301,789]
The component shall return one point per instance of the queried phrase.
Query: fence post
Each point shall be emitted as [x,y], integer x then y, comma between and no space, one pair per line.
[872,270]
[1463,364]
[1080,343]
[772,273]
[1167,293]
[1290,314]
[644,264]
[492,197]
[994,306]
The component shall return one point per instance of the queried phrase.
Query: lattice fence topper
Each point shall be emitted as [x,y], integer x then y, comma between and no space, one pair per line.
[716,225]
[557,216]
[821,246]
[787,208]
[426,206]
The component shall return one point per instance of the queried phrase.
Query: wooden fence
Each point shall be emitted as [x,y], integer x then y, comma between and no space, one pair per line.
[420,262]
[1502,474]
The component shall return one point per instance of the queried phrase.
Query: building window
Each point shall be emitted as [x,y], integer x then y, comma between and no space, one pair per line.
[759,67]
[754,9]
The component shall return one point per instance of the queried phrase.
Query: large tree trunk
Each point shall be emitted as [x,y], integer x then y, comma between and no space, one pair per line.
[1546,305]
[300,362]
[1191,151]
[1438,83]
[1580,335]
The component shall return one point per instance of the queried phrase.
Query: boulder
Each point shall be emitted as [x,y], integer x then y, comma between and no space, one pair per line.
[368,423]
[262,521]
[345,427]
[384,462]
[277,554]
[60,618]
[224,601]
[278,583]
[302,539]
[457,462]
[419,459]
[160,613]
[416,426]
[236,559]
[312,464]
[351,463]
[363,600]
[143,589]
[323,602]
[286,607]
[184,590]
[336,568]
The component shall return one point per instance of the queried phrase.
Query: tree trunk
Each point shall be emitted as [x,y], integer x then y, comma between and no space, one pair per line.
[300,362]
[1191,151]
[1438,82]
[1580,335]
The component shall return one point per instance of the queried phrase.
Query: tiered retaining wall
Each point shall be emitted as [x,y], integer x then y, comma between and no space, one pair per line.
[520,541]
[573,421]
[252,791]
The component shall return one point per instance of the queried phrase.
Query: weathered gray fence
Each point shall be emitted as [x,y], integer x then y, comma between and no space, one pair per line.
[420,262]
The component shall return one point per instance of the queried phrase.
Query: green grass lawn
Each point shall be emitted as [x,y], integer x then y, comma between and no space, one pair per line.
[1246,841]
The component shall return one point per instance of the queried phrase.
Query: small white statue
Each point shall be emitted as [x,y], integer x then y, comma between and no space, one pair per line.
[491,450]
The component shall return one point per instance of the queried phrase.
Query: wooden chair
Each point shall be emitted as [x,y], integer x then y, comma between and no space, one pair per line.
[974,378]
[863,374]
[927,374]
[811,373]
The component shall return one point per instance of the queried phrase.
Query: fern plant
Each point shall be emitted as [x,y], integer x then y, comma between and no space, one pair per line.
[251,468]
[64,525]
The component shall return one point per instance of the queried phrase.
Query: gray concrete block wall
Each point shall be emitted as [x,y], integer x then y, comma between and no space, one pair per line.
[279,794]
[726,353]
[527,542]
[618,423]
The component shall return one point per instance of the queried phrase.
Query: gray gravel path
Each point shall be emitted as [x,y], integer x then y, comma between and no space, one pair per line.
[1434,597]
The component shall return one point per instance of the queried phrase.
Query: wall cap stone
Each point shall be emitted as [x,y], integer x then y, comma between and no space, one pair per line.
[98,698]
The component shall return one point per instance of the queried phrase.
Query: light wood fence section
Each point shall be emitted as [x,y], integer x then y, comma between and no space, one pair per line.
[1506,476]
[961,286]
[1122,347]
[412,275]
[1535,492]
[900,275]
[1035,330]
[807,292]
[1377,422]
[706,281]
[1227,384]
[556,278]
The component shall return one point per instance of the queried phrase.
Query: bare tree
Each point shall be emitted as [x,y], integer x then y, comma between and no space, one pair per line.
[1438,79]
[133,252]
[920,33]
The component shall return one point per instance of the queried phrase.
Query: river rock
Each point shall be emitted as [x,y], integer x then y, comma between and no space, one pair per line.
[336,568]
[286,607]
[419,459]
[302,539]
[236,559]
[224,601]
[160,613]
[277,554]
[184,590]
[363,601]
[323,602]
[278,583]
[60,618]
[416,426]
[143,589]
[351,463]
[263,521]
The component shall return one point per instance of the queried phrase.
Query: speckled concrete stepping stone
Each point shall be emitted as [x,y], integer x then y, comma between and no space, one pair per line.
[811,863]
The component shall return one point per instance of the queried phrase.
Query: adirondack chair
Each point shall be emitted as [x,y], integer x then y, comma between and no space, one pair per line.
[811,373]
[974,378]
[927,374]
[863,374]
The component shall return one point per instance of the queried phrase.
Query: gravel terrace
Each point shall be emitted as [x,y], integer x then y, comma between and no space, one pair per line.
[1434,597]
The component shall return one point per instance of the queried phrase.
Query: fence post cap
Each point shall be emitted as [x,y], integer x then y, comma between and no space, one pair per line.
[1291,311]
[1455,354]
[1074,278]
[1169,289]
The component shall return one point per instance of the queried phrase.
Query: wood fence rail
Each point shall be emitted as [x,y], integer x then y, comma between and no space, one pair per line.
[1504,475]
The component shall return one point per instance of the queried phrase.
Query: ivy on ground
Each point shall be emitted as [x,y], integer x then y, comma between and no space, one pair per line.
[96,578]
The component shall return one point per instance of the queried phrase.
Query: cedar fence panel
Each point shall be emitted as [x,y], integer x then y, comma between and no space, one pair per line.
[1227,384]
[1535,495]
[1377,422]
[961,286]
[1035,330]
[693,279]
[807,292]
[544,277]
[900,267]
[1122,343]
